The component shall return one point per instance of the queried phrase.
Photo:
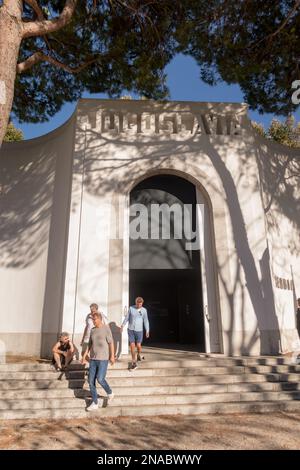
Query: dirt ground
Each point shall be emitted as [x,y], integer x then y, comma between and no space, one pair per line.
[249,431]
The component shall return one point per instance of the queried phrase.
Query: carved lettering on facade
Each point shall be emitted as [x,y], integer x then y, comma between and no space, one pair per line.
[285,284]
[169,123]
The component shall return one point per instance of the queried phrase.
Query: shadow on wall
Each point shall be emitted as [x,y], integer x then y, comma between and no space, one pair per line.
[34,188]
[25,207]
[117,337]
[279,169]
[280,177]
[101,176]
[258,284]
[35,179]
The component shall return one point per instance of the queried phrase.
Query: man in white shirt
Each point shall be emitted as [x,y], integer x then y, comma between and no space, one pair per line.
[89,324]
[137,320]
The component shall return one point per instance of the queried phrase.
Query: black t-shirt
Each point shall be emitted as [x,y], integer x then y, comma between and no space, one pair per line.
[64,346]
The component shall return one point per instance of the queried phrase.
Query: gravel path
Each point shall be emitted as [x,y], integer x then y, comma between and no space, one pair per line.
[247,431]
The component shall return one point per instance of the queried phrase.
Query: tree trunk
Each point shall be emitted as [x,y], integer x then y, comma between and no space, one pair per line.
[10,40]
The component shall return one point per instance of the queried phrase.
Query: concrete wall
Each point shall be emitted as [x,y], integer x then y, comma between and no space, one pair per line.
[113,157]
[64,242]
[35,178]
[279,169]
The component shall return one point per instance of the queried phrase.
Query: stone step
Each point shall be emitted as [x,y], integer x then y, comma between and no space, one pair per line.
[145,400]
[40,384]
[263,369]
[283,377]
[157,364]
[156,410]
[200,398]
[38,394]
[133,380]
[140,372]
[152,390]
[147,372]
[123,364]
[194,384]
[144,370]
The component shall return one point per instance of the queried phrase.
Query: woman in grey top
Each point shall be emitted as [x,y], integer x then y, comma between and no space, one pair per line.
[100,350]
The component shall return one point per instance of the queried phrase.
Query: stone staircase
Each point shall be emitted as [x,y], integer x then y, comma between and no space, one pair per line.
[181,383]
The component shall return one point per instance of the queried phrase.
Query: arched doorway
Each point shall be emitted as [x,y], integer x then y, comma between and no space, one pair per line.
[165,261]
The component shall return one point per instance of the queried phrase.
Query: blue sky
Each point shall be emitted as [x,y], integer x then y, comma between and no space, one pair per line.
[184,85]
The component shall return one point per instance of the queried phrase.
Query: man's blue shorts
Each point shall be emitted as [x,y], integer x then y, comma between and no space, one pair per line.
[135,336]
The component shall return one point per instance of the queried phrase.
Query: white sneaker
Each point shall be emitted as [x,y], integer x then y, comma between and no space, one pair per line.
[110,396]
[93,406]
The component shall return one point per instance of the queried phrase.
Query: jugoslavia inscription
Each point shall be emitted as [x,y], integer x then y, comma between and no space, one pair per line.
[180,123]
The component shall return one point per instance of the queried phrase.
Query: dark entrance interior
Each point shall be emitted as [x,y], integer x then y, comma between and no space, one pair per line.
[164,271]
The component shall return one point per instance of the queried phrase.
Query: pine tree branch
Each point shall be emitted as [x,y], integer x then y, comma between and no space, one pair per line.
[41,57]
[40,15]
[284,23]
[269,38]
[40,28]
[36,8]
